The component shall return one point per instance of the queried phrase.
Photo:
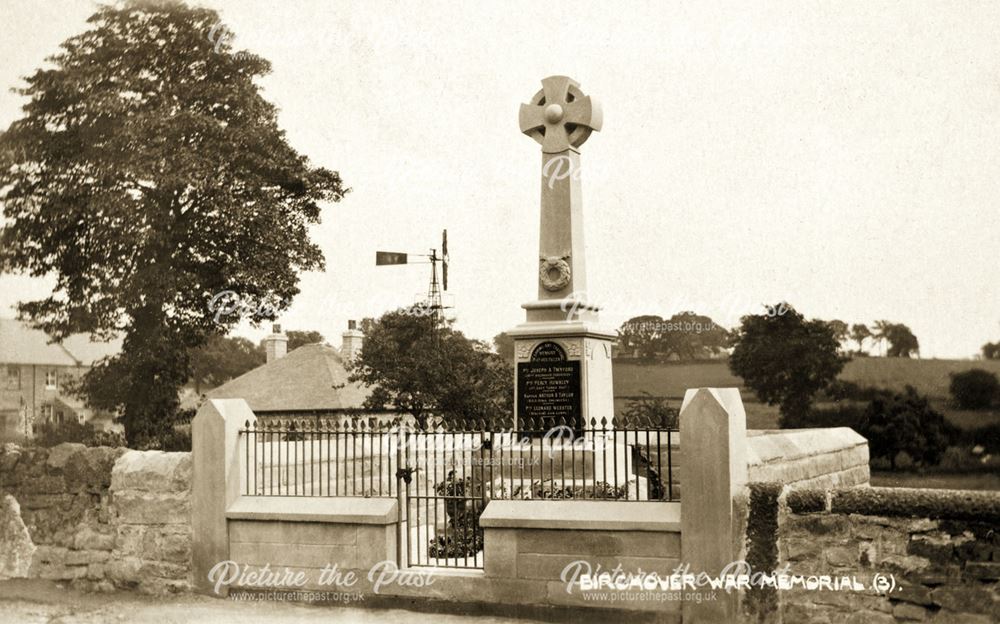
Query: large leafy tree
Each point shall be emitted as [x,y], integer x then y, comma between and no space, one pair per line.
[423,366]
[785,359]
[147,174]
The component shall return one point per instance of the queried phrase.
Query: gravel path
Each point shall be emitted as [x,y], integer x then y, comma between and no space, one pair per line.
[44,602]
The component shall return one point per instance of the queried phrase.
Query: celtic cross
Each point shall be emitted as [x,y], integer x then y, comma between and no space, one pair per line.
[561,118]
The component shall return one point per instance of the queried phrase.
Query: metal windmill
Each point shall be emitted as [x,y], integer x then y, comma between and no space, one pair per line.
[434,302]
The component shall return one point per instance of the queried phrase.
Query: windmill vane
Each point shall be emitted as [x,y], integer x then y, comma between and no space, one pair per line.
[434,299]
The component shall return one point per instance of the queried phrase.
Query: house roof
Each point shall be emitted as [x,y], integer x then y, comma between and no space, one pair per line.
[87,351]
[21,344]
[312,377]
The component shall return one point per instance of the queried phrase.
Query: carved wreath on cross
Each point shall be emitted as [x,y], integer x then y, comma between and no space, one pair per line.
[554,273]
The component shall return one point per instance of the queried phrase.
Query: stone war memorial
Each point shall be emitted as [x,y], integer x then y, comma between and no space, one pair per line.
[561,510]
[563,357]
[604,520]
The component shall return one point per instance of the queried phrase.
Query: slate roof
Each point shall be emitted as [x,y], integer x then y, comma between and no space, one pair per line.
[312,377]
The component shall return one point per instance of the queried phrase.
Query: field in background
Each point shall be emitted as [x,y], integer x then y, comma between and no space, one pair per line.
[929,377]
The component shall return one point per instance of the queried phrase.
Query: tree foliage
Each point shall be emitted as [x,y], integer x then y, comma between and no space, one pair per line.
[692,336]
[906,422]
[222,358]
[974,389]
[902,342]
[991,351]
[892,422]
[504,345]
[640,336]
[424,367]
[298,339]
[859,334]
[649,410]
[840,330]
[147,174]
[685,335]
[785,359]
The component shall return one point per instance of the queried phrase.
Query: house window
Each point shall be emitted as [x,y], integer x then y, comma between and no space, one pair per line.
[47,414]
[51,380]
[13,378]
[60,417]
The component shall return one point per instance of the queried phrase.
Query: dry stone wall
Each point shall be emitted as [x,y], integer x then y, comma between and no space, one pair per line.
[97,518]
[941,548]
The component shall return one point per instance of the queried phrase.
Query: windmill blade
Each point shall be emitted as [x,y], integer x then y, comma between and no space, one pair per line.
[444,259]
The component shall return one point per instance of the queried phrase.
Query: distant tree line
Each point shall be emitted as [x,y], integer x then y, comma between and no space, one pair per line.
[893,339]
[691,336]
[684,336]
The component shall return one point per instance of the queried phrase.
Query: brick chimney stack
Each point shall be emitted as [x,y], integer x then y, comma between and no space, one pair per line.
[352,341]
[276,344]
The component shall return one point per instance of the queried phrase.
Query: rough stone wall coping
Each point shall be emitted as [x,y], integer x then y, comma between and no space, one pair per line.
[583,515]
[901,502]
[152,471]
[345,510]
[766,446]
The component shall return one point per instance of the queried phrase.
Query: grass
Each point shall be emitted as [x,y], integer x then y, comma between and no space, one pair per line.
[671,379]
[929,377]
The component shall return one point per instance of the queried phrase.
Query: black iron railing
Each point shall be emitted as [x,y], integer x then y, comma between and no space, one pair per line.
[314,457]
[444,474]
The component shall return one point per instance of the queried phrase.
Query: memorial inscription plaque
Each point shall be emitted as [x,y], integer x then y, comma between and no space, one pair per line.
[548,388]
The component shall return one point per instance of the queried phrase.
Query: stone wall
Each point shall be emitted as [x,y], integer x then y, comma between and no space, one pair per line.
[530,547]
[305,534]
[98,518]
[941,548]
[808,458]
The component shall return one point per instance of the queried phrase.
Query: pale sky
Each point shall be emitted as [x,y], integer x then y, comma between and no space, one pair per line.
[842,156]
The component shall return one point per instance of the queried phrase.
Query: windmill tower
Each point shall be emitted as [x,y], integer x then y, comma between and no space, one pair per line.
[434,303]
